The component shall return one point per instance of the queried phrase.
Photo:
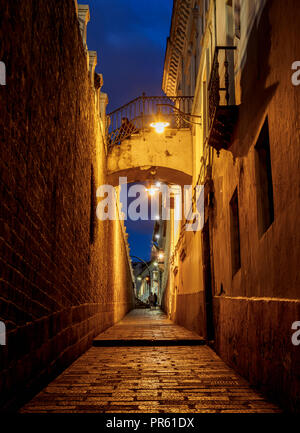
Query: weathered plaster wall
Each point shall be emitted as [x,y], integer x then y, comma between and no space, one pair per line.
[58,288]
[254,315]
[184,297]
[169,153]
[251,334]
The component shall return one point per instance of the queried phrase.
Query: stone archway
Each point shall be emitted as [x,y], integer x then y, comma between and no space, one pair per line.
[166,157]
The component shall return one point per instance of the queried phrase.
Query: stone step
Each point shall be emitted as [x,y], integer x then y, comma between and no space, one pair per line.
[147,342]
[149,327]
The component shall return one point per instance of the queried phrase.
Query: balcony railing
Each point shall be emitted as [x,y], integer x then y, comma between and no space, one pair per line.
[140,112]
[222,109]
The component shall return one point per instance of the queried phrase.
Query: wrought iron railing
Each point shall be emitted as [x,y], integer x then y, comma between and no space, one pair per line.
[140,112]
[205,163]
[221,88]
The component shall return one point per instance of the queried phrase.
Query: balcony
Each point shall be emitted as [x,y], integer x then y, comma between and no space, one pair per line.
[136,116]
[222,109]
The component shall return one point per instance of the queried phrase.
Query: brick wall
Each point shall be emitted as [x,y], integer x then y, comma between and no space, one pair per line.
[57,281]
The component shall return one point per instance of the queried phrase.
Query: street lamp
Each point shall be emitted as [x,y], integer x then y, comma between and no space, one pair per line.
[153,188]
[151,191]
[160,124]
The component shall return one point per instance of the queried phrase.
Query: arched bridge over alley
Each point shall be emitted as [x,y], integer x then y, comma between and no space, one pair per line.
[138,152]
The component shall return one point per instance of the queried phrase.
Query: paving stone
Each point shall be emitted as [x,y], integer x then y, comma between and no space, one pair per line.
[160,379]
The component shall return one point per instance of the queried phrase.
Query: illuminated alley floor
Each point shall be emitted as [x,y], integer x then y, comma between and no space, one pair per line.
[145,363]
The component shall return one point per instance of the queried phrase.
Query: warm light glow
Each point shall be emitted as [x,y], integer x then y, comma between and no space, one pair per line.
[157,217]
[159,126]
[151,191]
[139,278]
[155,264]
[157,236]
[161,256]
[158,184]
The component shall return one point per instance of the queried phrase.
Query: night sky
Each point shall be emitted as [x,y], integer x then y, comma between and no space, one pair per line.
[130,39]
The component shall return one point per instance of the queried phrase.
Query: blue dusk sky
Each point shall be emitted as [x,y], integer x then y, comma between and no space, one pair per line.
[130,39]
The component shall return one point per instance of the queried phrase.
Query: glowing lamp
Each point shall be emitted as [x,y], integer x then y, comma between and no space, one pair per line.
[159,126]
[161,256]
[151,191]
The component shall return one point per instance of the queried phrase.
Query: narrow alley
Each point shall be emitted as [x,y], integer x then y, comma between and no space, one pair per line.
[149,208]
[176,374]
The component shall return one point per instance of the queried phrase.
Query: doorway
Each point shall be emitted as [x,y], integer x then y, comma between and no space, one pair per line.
[207,279]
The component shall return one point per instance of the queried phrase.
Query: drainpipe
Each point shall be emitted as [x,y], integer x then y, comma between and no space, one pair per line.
[215,12]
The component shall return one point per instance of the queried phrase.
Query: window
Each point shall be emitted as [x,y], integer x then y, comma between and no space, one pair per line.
[264,185]
[235,233]
[237,18]
[205,114]
[165,229]
[229,23]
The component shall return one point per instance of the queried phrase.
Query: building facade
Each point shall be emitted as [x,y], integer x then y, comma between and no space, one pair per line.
[235,57]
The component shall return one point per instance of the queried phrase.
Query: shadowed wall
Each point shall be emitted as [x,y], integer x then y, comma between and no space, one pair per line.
[57,285]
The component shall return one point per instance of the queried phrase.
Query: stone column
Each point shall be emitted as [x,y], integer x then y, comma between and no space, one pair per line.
[84,18]
[92,65]
[103,101]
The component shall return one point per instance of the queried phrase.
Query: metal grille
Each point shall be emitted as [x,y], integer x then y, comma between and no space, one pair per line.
[221,84]
[141,112]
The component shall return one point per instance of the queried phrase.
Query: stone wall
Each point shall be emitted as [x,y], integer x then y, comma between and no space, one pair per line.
[253,308]
[254,315]
[58,270]
[253,335]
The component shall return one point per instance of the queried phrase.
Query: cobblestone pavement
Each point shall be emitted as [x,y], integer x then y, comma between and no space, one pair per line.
[145,324]
[148,379]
